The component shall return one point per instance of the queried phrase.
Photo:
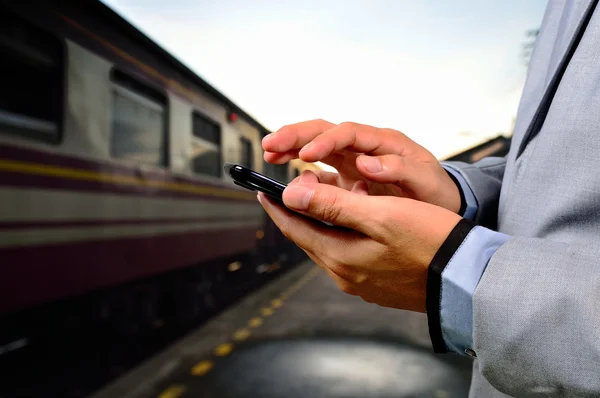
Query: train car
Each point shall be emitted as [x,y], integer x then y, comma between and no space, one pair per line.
[112,194]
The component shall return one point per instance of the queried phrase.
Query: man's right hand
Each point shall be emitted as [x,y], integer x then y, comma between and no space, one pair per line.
[386,160]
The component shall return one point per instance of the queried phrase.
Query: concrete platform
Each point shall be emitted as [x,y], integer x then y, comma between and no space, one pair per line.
[301,337]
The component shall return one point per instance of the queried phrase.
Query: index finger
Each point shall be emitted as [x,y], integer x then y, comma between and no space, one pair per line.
[295,136]
[356,138]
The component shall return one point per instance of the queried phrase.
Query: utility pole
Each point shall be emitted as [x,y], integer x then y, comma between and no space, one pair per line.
[528,46]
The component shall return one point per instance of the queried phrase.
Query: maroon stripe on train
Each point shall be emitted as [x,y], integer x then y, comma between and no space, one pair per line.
[35,275]
[11,225]
[46,158]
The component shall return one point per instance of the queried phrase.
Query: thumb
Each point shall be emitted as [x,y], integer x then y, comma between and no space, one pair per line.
[386,169]
[336,206]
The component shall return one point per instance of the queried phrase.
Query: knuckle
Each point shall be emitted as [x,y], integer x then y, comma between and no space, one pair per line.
[330,209]
[348,125]
[395,133]
[322,124]
[342,270]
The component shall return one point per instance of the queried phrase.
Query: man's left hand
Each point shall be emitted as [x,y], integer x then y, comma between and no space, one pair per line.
[380,247]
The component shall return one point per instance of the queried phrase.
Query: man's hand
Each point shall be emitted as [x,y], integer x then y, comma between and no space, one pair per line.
[383,253]
[388,162]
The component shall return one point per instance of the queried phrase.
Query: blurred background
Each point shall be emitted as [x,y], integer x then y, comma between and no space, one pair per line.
[131,266]
[446,73]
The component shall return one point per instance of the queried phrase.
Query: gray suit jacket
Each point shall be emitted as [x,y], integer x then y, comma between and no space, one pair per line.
[537,307]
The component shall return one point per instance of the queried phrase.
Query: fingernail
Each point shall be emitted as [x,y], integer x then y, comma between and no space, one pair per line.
[298,197]
[307,148]
[372,165]
[267,137]
[306,178]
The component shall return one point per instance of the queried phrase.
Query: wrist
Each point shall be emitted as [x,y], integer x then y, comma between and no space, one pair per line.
[434,281]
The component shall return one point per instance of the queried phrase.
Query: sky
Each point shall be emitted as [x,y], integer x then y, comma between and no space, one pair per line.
[448,74]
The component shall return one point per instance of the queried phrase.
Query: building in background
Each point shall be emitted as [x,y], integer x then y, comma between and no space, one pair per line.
[498,146]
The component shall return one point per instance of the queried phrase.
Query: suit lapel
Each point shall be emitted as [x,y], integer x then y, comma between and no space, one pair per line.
[568,29]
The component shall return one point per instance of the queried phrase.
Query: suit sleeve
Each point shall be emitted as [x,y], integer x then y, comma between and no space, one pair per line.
[485,180]
[536,319]
[536,306]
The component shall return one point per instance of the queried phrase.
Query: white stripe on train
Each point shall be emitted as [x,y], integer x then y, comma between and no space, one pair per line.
[64,205]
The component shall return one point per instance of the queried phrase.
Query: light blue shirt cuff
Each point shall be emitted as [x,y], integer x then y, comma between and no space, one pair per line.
[459,281]
[471,201]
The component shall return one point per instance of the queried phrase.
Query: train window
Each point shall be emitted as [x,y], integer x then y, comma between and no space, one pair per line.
[247,158]
[276,171]
[31,77]
[206,146]
[138,122]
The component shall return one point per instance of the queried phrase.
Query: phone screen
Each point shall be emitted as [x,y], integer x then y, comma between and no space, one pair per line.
[254,181]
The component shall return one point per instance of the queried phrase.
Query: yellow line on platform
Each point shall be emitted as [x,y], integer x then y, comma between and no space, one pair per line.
[223,349]
[255,322]
[205,366]
[277,303]
[241,334]
[173,392]
[266,311]
[202,368]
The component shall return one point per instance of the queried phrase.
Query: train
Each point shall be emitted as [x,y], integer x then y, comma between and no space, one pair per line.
[114,209]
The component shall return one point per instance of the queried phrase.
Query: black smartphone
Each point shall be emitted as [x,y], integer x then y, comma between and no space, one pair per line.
[254,181]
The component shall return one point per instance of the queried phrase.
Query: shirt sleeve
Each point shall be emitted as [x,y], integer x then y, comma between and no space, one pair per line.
[471,202]
[462,272]
[459,281]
